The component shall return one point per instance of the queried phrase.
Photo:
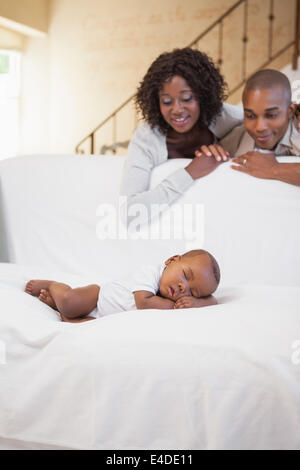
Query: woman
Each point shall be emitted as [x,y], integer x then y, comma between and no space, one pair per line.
[180,99]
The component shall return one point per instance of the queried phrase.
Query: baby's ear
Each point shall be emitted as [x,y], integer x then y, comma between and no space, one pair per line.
[173,258]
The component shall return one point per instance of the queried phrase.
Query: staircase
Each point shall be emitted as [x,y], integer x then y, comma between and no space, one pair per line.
[236,64]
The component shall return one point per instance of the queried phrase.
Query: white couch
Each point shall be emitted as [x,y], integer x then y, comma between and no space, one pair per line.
[221,377]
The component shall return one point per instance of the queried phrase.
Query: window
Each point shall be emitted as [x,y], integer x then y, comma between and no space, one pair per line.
[10,66]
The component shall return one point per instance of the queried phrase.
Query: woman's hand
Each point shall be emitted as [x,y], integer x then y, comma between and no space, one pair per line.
[201,166]
[213,151]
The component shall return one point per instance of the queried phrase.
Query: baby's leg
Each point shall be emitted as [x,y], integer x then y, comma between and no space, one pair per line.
[75,320]
[74,303]
[71,303]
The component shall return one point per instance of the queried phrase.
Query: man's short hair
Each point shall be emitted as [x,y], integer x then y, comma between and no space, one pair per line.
[269,78]
[214,265]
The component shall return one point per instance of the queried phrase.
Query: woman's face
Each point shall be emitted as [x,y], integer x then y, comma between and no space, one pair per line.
[178,104]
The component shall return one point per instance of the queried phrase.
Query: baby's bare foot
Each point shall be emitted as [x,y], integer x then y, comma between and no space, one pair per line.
[47,298]
[34,286]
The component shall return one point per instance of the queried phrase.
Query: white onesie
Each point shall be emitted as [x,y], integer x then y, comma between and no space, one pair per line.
[117,296]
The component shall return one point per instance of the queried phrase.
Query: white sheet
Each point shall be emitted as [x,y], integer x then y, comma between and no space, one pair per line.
[220,377]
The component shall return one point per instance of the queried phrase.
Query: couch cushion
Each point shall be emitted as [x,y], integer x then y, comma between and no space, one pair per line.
[55,208]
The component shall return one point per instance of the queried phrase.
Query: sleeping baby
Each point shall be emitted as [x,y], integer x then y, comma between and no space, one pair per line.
[181,282]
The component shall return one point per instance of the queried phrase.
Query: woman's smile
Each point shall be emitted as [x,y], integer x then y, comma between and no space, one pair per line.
[181,122]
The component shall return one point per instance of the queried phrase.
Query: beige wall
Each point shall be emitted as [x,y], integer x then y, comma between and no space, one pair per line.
[31,13]
[35,97]
[97,51]
[11,40]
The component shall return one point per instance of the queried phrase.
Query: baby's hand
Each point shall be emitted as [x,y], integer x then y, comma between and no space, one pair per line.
[215,151]
[188,301]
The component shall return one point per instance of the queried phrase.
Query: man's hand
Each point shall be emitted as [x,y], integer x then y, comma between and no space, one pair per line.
[188,301]
[260,165]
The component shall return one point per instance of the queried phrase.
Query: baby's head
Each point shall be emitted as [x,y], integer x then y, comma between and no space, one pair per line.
[267,107]
[195,273]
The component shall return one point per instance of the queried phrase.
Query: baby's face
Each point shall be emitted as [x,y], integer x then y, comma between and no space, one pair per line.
[187,276]
[266,115]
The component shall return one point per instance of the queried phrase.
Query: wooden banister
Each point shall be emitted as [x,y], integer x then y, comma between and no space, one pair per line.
[218,24]
[297,35]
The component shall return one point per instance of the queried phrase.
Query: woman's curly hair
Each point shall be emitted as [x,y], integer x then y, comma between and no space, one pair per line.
[200,73]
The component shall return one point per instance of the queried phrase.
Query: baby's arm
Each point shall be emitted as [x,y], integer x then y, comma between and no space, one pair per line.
[144,299]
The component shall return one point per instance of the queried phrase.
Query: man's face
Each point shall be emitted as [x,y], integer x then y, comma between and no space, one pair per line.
[186,275]
[266,115]
[178,104]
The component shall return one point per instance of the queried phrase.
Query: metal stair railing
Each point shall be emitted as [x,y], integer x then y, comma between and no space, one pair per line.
[195,44]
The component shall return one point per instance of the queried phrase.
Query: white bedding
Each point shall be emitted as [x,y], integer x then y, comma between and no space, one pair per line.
[219,377]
